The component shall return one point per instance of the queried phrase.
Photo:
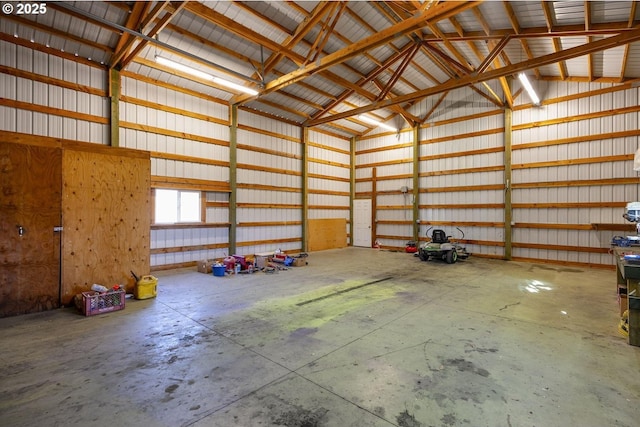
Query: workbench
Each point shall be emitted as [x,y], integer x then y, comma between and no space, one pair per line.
[628,277]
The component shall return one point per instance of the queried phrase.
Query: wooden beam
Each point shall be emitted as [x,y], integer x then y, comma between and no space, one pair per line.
[433,14]
[596,46]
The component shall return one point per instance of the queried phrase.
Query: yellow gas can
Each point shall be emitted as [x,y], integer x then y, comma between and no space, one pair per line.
[147,287]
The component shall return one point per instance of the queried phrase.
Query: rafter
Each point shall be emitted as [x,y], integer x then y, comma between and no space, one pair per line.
[171,10]
[597,46]
[496,49]
[630,24]
[587,27]
[516,28]
[436,13]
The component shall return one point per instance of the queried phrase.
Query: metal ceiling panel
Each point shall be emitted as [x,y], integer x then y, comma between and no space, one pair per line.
[529,14]
[568,12]
[495,13]
[612,11]
[469,22]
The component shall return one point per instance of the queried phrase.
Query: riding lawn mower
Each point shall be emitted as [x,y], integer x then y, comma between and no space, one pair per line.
[440,247]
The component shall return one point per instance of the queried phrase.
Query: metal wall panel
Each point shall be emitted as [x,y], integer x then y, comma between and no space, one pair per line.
[270,198]
[588,181]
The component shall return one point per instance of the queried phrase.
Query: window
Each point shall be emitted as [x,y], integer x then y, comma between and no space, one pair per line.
[173,206]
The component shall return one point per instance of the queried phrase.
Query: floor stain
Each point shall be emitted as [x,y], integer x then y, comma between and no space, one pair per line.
[171,388]
[300,417]
[405,419]
[448,419]
[466,366]
[303,332]
[558,269]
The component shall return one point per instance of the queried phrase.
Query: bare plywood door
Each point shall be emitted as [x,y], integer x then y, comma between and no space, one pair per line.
[30,209]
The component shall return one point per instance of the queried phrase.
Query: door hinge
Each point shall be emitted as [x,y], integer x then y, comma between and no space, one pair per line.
[58,229]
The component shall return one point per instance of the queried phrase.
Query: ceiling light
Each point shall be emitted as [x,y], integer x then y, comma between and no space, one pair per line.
[184,68]
[527,85]
[235,86]
[376,123]
[205,76]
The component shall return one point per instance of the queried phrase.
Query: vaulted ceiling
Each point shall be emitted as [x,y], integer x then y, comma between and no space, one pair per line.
[327,63]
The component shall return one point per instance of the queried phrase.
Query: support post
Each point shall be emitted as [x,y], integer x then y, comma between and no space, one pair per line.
[305,188]
[233,178]
[416,184]
[114,95]
[374,205]
[508,215]
[352,187]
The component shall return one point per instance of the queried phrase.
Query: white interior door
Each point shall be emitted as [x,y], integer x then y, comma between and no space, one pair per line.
[362,223]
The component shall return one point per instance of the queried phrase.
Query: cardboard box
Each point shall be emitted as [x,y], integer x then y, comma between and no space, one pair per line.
[299,262]
[262,259]
[205,266]
[622,299]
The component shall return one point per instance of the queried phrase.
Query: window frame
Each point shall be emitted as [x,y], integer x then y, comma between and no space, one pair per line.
[202,210]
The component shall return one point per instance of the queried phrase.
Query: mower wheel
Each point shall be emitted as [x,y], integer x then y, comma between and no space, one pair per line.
[452,256]
[423,256]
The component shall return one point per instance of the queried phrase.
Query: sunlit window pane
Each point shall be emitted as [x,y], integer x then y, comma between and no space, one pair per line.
[166,206]
[189,206]
[175,206]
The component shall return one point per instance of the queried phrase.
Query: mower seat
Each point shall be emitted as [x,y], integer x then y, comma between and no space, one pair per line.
[439,236]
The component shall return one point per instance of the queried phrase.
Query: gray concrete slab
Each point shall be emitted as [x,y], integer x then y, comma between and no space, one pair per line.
[358,337]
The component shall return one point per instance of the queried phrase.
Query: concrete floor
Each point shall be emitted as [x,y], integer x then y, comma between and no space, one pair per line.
[359,337]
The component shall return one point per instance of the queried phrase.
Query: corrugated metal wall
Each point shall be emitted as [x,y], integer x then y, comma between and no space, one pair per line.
[188,137]
[269,190]
[572,163]
[462,172]
[573,172]
[51,96]
[329,177]
[384,165]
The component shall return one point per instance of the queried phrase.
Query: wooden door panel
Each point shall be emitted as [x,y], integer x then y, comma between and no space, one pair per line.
[30,183]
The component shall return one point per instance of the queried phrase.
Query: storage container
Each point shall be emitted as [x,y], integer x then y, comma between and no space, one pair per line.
[102,302]
[147,287]
[218,270]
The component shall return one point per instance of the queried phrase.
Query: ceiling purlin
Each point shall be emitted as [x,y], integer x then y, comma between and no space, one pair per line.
[625,57]
[171,10]
[499,49]
[461,67]
[153,15]
[494,98]
[241,31]
[396,12]
[375,73]
[326,29]
[300,32]
[82,18]
[23,22]
[549,16]
[587,27]
[390,45]
[440,11]
[516,28]
[403,66]
[228,24]
[434,107]
[630,36]
[136,14]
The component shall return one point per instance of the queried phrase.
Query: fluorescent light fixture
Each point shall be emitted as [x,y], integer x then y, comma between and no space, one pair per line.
[376,123]
[527,85]
[235,86]
[184,68]
[202,75]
